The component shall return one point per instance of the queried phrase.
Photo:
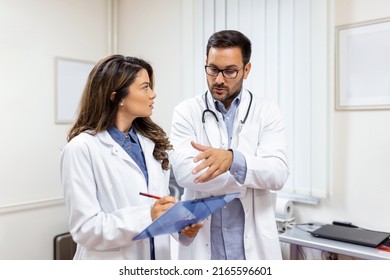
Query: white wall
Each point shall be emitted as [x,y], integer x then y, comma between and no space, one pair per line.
[33,33]
[360,157]
[153,30]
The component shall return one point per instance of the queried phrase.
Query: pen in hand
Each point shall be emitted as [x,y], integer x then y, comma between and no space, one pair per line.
[150,195]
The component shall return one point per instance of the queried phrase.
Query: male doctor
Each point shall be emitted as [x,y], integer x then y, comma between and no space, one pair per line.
[230,140]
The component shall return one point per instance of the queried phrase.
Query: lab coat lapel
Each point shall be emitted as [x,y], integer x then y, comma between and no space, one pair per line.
[244,105]
[116,149]
[240,115]
[152,164]
[215,131]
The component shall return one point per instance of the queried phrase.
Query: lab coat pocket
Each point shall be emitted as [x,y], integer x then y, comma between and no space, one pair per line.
[264,212]
[249,138]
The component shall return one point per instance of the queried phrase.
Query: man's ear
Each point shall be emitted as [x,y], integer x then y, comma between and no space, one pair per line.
[247,69]
[112,96]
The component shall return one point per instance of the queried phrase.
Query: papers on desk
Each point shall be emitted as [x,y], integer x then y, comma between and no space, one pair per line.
[185,213]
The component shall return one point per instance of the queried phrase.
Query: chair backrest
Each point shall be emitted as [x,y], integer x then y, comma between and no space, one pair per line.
[64,247]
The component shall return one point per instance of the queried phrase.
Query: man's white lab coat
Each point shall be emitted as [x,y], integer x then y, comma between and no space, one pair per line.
[262,141]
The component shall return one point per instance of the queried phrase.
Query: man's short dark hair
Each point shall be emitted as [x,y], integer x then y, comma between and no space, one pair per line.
[229,39]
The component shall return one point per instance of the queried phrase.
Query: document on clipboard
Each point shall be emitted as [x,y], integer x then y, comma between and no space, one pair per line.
[185,213]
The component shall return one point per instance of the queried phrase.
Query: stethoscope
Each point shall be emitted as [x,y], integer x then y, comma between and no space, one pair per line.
[207,110]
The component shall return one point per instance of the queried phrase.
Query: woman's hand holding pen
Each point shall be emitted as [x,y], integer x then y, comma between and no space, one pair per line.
[161,205]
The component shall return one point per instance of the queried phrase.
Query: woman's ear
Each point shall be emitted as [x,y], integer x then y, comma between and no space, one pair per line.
[112,96]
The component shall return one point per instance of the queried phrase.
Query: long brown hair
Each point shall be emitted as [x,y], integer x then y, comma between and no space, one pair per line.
[97,112]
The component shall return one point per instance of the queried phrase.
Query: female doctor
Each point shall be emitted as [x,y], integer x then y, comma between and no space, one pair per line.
[116,151]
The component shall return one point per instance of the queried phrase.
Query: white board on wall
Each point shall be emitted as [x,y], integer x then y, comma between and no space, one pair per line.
[70,81]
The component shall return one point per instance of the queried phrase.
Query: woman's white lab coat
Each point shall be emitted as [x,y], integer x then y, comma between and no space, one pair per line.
[101,186]
[262,141]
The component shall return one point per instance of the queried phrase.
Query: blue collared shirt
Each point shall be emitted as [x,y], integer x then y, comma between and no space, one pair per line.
[130,143]
[227,224]
[238,168]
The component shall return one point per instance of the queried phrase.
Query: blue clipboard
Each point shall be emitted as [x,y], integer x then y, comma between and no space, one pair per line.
[185,213]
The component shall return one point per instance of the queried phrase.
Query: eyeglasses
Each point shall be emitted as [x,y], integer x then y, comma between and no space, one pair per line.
[227,73]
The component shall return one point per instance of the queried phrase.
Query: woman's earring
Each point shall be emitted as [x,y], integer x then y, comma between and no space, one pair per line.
[121,103]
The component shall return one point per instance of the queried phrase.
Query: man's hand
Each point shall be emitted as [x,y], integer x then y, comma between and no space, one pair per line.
[162,205]
[217,161]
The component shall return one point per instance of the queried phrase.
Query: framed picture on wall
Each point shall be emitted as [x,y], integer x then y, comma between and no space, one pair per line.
[363,66]
[71,76]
